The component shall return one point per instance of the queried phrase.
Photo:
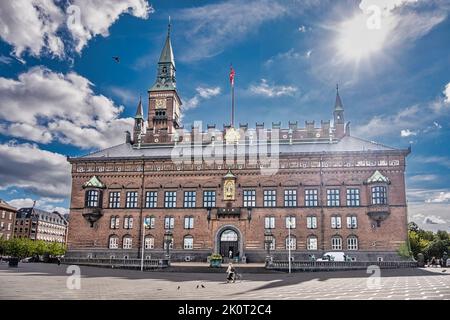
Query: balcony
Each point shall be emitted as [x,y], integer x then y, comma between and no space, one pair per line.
[378,212]
[227,212]
[92,215]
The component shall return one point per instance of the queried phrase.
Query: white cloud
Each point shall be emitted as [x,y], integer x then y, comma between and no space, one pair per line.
[126,96]
[44,106]
[42,172]
[424,178]
[6,60]
[433,220]
[46,204]
[441,197]
[447,93]
[35,25]
[272,91]
[213,27]
[98,15]
[203,93]
[407,133]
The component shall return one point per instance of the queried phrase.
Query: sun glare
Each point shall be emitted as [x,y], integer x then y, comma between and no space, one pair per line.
[357,40]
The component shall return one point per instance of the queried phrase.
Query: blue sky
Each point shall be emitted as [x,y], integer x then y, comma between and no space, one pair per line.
[61,93]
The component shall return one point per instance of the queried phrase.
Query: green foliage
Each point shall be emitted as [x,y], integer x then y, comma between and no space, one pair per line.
[403,251]
[442,235]
[24,247]
[428,243]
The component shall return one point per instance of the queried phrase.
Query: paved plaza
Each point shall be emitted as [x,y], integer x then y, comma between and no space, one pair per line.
[48,281]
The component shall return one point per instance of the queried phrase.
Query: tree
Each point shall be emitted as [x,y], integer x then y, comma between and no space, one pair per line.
[56,249]
[437,248]
[442,235]
[19,247]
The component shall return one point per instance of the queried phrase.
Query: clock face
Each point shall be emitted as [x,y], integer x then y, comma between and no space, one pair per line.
[160,104]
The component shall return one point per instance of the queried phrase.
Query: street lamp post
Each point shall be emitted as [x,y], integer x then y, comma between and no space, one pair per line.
[168,237]
[289,243]
[268,238]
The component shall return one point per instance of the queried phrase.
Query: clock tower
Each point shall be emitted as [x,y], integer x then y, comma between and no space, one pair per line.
[164,102]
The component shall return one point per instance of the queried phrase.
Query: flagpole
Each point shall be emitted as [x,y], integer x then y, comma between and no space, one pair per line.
[232,104]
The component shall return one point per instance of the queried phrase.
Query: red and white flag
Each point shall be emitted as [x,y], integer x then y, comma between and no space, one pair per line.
[232,74]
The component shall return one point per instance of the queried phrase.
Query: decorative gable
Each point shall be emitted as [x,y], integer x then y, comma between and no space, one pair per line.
[94,182]
[377,177]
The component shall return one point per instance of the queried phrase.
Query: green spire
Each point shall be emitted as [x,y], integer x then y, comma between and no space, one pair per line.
[140,110]
[338,105]
[167,52]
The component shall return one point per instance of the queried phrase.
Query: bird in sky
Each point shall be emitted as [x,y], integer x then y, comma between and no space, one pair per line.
[203,286]
[116,59]
[178,288]
[197,286]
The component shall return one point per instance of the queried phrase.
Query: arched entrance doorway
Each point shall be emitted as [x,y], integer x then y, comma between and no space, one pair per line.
[229,244]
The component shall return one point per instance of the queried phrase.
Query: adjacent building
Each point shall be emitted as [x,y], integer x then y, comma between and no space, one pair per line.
[242,192]
[7,218]
[38,224]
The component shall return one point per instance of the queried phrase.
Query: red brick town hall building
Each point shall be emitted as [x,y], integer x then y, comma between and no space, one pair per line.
[241,192]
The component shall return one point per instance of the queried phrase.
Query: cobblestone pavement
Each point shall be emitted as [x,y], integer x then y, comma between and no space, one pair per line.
[44,281]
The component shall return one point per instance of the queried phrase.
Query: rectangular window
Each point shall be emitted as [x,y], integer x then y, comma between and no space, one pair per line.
[353,198]
[249,198]
[132,199]
[114,199]
[93,199]
[336,222]
[189,199]
[128,223]
[149,222]
[352,222]
[379,195]
[336,243]
[3,214]
[10,216]
[311,243]
[169,222]
[9,226]
[151,199]
[311,198]
[188,243]
[189,222]
[209,199]
[149,244]
[290,198]
[170,199]
[270,198]
[333,198]
[269,222]
[311,222]
[290,222]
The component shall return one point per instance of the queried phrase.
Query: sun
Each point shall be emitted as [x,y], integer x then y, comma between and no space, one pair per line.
[357,40]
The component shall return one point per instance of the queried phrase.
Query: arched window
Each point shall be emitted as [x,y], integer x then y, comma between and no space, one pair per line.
[149,242]
[128,222]
[127,242]
[311,243]
[149,222]
[114,222]
[229,235]
[352,243]
[336,243]
[336,222]
[169,222]
[291,243]
[188,243]
[93,199]
[113,242]
[352,222]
